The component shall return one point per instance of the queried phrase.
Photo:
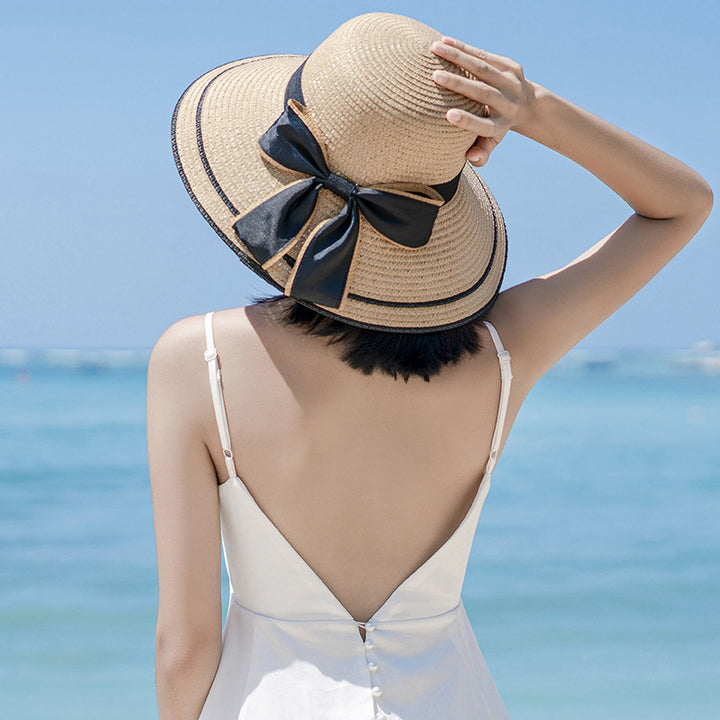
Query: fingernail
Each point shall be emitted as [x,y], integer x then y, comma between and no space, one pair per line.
[438,48]
[448,40]
[454,115]
[440,77]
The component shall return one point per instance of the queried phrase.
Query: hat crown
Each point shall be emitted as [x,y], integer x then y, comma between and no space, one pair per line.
[368,88]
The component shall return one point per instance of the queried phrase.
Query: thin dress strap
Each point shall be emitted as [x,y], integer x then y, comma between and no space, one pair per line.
[211,357]
[505,381]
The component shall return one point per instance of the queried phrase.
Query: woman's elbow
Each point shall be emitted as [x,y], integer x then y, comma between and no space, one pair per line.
[702,198]
[185,665]
[696,210]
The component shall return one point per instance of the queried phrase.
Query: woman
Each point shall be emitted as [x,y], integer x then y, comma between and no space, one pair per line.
[347,537]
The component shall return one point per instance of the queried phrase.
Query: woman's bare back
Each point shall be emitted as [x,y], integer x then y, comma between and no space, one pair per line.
[365,476]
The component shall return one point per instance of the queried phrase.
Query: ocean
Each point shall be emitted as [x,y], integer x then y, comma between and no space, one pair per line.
[594,580]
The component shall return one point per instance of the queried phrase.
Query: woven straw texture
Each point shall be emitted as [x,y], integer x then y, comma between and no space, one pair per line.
[373,104]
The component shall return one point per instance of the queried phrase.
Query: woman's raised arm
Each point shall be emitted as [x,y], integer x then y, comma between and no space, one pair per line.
[545,317]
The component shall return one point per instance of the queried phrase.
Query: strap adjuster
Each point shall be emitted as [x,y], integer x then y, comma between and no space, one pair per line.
[504,357]
[210,355]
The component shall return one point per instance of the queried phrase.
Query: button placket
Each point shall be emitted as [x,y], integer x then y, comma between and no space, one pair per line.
[373,666]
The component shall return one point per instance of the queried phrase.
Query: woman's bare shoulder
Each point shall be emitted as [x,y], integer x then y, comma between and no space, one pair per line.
[175,352]
[179,347]
[177,368]
[177,361]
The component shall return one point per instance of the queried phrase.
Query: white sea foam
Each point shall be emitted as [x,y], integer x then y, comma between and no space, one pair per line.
[702,358]
[73,358]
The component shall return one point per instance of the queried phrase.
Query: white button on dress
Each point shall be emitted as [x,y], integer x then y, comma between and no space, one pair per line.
[291,651]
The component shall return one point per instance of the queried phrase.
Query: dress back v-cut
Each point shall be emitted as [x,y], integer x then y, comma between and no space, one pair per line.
[291,651]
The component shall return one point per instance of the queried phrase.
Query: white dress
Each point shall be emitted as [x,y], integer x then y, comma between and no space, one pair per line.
[291,651]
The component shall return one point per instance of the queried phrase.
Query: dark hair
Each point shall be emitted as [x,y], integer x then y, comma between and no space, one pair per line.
[394,354]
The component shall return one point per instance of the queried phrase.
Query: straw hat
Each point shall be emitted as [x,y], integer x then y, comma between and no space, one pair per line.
[337,178]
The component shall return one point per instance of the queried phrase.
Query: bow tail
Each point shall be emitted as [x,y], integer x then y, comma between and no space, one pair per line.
[321,271]
[272,227]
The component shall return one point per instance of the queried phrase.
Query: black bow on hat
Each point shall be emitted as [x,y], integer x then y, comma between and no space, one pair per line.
[321,270]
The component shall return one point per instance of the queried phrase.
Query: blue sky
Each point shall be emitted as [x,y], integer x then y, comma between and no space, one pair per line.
[100,247]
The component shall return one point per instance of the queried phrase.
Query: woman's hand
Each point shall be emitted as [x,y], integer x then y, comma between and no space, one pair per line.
[501,86]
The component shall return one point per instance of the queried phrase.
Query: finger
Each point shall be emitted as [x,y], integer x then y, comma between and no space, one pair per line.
[474,89]
[474,65]
[479,153]
[476,156]
[484,127]
[500,62]
[478,161]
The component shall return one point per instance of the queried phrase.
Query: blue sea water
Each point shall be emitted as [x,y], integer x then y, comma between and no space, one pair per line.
[593,584]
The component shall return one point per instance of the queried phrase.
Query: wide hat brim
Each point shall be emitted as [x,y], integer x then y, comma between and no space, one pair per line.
[451,279]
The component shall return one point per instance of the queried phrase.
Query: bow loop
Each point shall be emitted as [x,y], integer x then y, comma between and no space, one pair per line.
[290,143]
[271,228]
